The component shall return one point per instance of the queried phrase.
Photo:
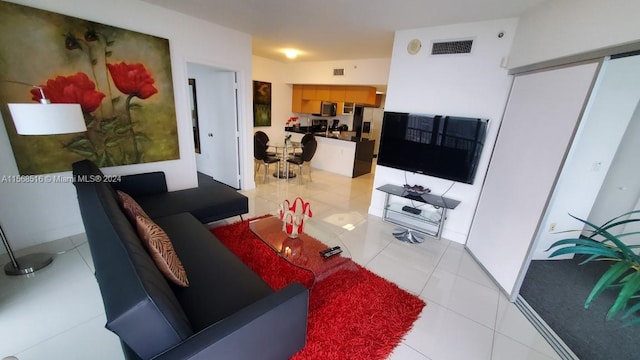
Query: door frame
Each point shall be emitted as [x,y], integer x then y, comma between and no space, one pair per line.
[240,114]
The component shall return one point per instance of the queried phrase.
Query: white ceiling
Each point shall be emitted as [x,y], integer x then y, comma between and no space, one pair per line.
[339,29]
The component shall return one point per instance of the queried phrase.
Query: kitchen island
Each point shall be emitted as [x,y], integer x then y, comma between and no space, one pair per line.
[344,155]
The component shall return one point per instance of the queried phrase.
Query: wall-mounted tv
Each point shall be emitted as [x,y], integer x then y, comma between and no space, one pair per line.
[447,147]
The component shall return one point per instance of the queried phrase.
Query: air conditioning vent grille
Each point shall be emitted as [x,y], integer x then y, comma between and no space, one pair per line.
[338,72]
[451,47]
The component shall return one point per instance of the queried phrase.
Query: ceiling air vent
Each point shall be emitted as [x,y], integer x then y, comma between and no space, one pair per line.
[338,72]
[451,47]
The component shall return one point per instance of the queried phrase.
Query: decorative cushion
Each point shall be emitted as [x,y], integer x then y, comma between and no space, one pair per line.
[161,249]
[130,206]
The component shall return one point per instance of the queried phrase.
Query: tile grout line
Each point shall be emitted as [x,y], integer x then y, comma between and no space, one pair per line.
[436,267]
[414,349]
[457,313]
[58,334]
[495,327]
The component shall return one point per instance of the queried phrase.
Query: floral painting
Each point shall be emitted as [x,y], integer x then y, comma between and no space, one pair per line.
[121,79]
[261,103]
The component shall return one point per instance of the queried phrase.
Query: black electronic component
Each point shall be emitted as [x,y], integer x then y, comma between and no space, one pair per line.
[331,252]
[412,210]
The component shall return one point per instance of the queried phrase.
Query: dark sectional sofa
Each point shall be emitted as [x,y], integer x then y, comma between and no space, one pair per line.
[227,312]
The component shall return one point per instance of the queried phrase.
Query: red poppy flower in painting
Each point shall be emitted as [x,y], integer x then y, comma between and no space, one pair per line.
[132,79]
[74,89]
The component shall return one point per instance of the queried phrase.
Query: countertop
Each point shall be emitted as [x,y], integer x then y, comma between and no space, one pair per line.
[303,130]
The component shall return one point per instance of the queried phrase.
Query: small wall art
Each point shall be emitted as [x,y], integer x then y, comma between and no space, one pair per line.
[261,103]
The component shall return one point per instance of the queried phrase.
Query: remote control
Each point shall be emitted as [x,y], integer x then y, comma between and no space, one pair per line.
[412,210]
[329,249]
[330,252]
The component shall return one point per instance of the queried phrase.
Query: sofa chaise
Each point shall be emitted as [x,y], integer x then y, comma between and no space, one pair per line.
[226,312]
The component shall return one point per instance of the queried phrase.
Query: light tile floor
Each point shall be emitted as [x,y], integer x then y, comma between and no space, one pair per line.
[57,313]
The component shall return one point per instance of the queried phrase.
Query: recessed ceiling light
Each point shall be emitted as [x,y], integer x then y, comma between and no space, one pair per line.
[291,53]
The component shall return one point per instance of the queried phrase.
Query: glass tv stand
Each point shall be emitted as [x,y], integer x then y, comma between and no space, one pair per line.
[420,214]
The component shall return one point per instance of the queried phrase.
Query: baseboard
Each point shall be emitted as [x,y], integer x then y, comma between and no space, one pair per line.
[547,333]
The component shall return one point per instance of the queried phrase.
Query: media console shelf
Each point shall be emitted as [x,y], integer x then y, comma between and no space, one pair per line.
[432,209]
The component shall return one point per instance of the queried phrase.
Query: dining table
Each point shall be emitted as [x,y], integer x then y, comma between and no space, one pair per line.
[284,151]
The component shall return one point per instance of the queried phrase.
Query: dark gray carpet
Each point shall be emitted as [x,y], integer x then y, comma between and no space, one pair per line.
[557,289]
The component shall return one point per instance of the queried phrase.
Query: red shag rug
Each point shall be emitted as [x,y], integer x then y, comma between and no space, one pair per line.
[352,314]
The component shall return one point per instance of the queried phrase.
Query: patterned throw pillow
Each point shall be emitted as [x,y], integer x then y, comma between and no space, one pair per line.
[130,206]
[161,249]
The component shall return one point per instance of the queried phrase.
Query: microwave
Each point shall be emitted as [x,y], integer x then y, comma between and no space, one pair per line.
[328,108]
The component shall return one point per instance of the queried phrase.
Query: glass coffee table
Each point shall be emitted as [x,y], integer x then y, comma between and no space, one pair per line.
[304,251]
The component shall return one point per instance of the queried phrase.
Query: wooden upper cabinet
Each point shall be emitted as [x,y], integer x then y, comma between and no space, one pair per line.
[340,108]
[309,92]
[361,95]
[378,101]
[337,93]
[323,92]
[296,99]
[310,106]
[306,99]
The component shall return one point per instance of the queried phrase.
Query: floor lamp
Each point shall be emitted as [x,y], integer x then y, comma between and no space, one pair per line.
[40,119]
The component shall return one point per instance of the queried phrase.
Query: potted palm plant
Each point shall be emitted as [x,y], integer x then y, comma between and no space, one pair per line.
[624,274]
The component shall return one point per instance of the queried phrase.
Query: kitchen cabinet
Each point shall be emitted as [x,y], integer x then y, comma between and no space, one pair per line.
[310,106]
[309,92]
[296,99]
[378,102]
[337,93]
[323,92]
[306,99]
[341,156]
[365,95]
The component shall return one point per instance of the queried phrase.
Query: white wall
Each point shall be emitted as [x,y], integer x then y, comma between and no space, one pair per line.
[561,28]
[275,72]
[472,85]
[356,72]
[620,191]
[612,103]
[37,213]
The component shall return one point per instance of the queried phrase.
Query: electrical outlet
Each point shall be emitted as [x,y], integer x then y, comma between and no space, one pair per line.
[552,227]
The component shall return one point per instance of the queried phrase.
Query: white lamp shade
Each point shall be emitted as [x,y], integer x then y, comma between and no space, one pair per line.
[47,119]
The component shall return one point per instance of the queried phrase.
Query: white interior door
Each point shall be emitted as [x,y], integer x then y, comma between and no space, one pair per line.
[538,126]
[224,143]
[218,118]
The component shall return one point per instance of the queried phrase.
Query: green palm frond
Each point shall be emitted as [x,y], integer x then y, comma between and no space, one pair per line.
[635,309]
[623,276]
[607,224]
[603,231]
[629,289]
[609,278]
[583,246]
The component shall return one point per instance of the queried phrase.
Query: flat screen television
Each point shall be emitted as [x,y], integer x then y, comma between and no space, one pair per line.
[447,147]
